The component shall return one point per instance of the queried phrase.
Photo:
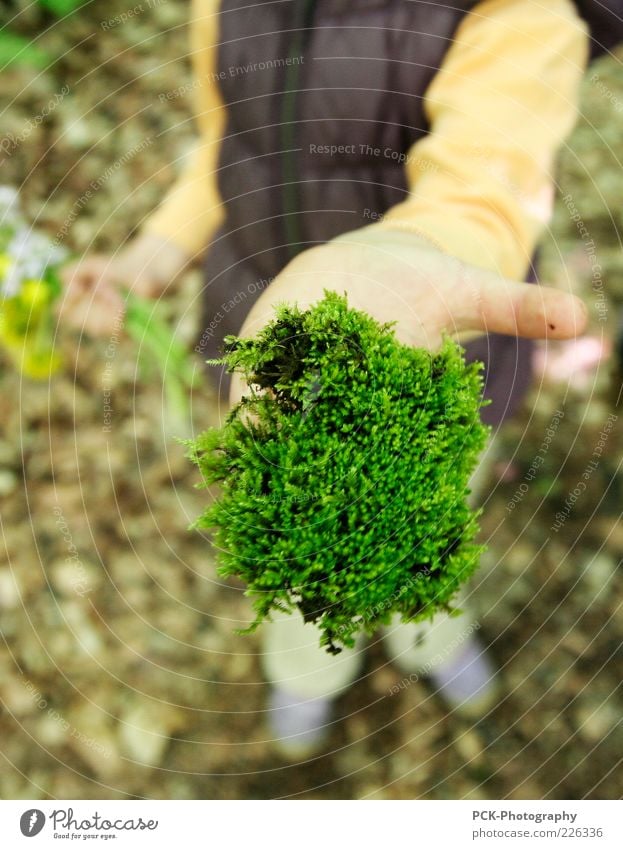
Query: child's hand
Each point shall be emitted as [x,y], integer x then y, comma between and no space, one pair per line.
[92,301]
[396,276]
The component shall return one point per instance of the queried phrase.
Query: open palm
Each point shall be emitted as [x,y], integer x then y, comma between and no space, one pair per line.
[398,277]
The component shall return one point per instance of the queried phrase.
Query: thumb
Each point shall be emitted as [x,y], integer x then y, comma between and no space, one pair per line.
[85,274]
[523,309]
[146,286]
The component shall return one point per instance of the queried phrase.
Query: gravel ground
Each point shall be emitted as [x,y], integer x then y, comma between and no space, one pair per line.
[119,672]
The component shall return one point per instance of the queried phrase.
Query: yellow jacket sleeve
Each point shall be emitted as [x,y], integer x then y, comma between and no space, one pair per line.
[192,209]
[481,183]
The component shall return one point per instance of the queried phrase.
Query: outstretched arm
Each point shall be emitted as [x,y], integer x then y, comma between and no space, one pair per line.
[449,258]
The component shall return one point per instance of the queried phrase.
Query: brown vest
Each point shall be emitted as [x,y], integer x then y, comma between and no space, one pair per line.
[324,99]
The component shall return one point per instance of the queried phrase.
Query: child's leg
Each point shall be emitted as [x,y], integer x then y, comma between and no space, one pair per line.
[447,651]
[421,646]
[293,659]
[446,648]
[304,679]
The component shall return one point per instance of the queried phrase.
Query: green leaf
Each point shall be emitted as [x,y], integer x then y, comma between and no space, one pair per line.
[61,8]
[15,49]
[159,348]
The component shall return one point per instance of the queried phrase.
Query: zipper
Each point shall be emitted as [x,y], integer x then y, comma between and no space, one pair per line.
[291,198]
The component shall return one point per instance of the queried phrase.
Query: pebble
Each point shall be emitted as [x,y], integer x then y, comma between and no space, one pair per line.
[411,765]
[85,636]
[21,697]
[9,590]
[91,736]
[595,721]
[598,572]
[80,132]
[469,746]
[145,730]
[74,578]
[8,482]
[519,558]
[50,731]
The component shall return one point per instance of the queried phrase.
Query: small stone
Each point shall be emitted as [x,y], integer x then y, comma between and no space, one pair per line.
[519,558]
[9,591]
[21,697]
[50,731]
[91,736]
[85,636]
[72,577]
[597,720]
[469,746]
[598,572]
[8,482]
[78,132]
[145,731]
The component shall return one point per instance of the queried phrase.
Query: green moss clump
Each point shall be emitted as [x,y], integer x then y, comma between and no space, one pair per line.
[344,471]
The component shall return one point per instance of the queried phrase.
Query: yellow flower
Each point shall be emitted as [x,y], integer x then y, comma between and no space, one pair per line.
[5,264]
[34,294]
[36,364]
[25,331]
[40,365]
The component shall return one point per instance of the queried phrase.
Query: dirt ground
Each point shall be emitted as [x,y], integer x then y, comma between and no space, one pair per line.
[120,676]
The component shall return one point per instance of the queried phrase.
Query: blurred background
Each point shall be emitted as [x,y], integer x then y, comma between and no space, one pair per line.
[120,676]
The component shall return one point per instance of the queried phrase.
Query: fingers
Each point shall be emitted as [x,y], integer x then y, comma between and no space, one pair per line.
[97,315]
[91,301]
[523,309]
[462,297]
[94,318]
[84,274]
[146,287]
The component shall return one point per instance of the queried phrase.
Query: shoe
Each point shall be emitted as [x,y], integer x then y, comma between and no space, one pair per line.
[467,681]
[299,727]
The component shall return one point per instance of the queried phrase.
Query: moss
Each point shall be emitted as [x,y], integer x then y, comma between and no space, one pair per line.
[344,471]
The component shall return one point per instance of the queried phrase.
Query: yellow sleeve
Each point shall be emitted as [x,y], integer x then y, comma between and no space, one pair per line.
[481,183]
[192,210]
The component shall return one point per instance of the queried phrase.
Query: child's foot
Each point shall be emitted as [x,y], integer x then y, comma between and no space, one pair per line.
[299,726]
[467,680]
